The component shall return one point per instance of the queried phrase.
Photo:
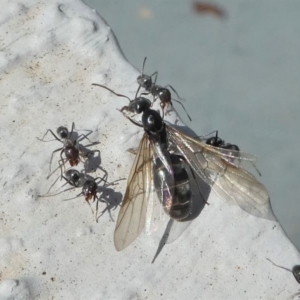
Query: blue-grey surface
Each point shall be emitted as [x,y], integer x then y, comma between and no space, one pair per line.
[239,74]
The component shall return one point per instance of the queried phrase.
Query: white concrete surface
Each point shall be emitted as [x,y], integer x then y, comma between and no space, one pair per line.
[51,52]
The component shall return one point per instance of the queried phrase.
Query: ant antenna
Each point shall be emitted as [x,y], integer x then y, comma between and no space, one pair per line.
[142,73]
[119,95]
[216,135]
[278,266]
[144,65]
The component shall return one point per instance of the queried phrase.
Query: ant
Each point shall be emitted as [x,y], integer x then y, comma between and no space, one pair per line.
[73,151]
[157,91]
[217,142]
[89,185]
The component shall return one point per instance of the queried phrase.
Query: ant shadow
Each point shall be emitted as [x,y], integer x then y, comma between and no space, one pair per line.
[111,198]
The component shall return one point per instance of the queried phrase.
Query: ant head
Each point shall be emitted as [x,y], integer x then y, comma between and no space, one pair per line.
[296,273]
[62,132]
[73,176]
[139,105]
[214,141]
[89,189]
[145,81]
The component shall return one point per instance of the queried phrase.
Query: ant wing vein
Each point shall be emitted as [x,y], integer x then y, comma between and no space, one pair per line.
[132,215]
[230,182]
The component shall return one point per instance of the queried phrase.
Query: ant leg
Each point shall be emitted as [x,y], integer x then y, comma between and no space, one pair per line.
[132,121]
[154,74]
[72,129]
[163,105]
[54,171]
[145,93]
[84,137]
[63,163]
[88,202]
[137,91]
[52,185]
[254,166]
[68,189]
[49,130]
[52,157]
[68,181]
[72,197]
[123,108]
[101,179]
[55,182]
[115,182]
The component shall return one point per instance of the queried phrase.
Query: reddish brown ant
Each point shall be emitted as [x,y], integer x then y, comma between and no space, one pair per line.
[73,151]
[90,188]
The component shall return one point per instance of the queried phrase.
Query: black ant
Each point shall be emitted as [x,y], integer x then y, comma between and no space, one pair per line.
[217,142]
[90,187]
[73,151]
[157,91]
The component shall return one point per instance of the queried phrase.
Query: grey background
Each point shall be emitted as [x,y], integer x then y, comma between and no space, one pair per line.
[240,74]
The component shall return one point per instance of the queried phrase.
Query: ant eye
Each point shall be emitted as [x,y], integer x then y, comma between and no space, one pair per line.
[62,132]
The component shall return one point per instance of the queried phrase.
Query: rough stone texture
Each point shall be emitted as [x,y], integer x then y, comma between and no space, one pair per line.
[50,54]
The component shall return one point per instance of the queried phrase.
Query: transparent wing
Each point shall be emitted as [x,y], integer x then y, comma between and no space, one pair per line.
[161,188]
[155,213]
[229,180]
[132,215]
